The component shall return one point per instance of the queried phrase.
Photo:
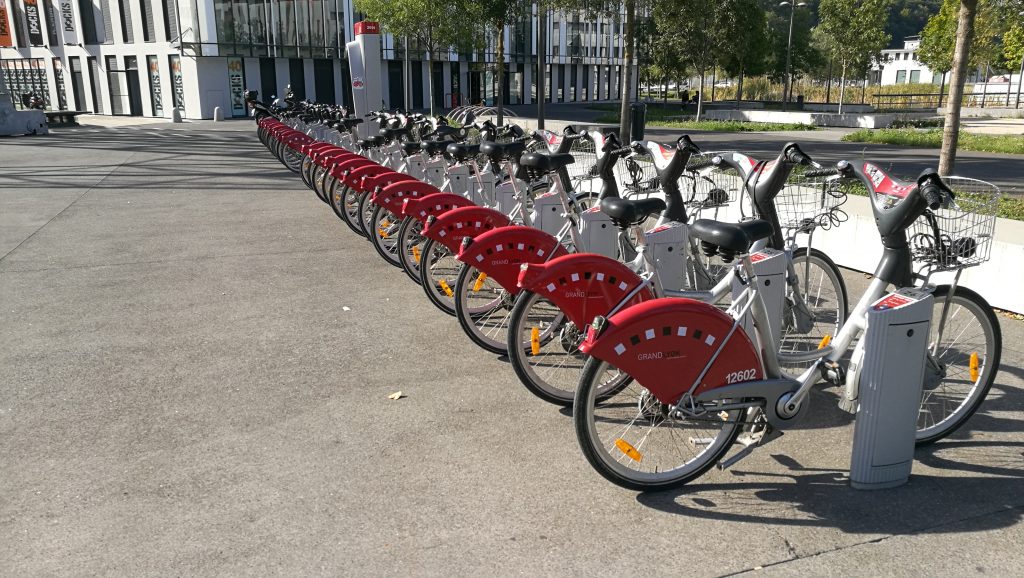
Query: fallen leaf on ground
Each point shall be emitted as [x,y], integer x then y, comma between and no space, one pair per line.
[397,395]
[346,309]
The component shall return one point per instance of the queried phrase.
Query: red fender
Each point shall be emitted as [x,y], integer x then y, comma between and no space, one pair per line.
[297,140]
[451,227]
[355,177]
[334,156]
[347,165]
[316,147]
[584,285]
[665,344]
[501,252]
[433,205]
[394,195]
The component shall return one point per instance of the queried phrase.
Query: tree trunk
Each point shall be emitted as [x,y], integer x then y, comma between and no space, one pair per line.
[942,89]
[828,86]
[951,130]
[842,88]
[499,50]
[627,70]
[700,96]
[739,88]
[430,80]
[542,53]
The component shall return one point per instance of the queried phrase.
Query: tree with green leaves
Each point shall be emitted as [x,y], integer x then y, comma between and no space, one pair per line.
[746,41]
[436,24]
[496,15]
[695,34]
[854,31]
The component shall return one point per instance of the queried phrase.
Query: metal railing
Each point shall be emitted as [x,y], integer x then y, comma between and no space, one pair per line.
[933,100]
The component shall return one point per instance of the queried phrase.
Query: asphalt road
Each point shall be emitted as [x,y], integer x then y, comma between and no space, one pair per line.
[183,392]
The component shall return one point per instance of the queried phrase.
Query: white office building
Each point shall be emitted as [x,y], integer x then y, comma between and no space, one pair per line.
[900,66]
[146,57]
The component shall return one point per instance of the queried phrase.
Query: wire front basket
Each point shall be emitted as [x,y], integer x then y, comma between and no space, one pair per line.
[705,186]
[808,202]
[959,235]
[637,176]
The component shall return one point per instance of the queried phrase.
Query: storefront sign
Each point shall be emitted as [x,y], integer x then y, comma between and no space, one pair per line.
[176,81]
[236,84]
[33,22]
[5,26]
[67,22]
[155,90]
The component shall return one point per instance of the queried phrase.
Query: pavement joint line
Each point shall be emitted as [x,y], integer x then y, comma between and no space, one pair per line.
[71,204]
[1004,509]
[180,260]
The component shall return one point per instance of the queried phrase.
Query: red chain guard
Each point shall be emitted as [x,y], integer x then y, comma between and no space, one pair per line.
[451,227]
[645,342]
[501,252]
[356,176]
[433,205]
[584,285]
[393,196]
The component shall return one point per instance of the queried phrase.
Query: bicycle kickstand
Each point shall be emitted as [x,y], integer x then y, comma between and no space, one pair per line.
[750,442]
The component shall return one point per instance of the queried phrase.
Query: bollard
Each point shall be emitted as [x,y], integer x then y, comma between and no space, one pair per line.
[890,382]
[217,114]
[175,115]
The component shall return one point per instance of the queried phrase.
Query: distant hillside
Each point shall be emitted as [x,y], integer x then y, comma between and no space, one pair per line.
[908,18]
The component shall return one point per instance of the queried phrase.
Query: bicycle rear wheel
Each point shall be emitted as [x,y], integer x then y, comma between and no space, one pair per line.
[961,367]
[410,247]
[439,270]
[637,442]
[348,209]
[483,308]
[384,233]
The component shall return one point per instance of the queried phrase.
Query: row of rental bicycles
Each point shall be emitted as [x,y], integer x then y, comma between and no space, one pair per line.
[672,296]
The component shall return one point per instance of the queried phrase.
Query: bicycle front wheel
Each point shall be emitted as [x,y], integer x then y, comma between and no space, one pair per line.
[816,308]
[483,308]
[410,247]
[637,442]
[961,365]
[384,227]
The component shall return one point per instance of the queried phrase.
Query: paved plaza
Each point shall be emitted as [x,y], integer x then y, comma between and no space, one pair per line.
[195,362]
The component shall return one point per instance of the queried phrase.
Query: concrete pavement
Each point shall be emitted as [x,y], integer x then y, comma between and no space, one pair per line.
[181,392]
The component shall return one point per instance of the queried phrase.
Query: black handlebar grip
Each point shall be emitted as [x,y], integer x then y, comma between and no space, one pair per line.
[700,166]
[822,173]
[932,194]
[621,151]
[687,143]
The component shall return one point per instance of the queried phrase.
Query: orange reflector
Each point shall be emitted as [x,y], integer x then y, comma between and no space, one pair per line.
[479,282]
[825,341]
[447,290]
[535,340]
[416,254]
[385,223]
[383,234]
[974,367]
[628,449]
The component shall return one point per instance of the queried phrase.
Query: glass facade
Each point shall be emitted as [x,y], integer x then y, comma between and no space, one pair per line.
[281,28]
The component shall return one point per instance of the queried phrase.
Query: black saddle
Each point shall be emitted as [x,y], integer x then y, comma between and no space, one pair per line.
[462,152]
[732,237]
[391,134]
[445,130]
[498,152]
[351,122]
[625,212]
[372,142]
[434,147]
[410,148]
[545,163]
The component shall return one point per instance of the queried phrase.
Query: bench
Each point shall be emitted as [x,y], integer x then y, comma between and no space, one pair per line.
[63,117]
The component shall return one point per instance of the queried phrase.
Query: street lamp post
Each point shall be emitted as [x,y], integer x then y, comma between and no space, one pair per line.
[789,52]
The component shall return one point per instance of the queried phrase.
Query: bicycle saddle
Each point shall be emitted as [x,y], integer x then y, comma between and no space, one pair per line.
[498,152]
[393,133]
[546,163]
[732,237]
[625,212]
[462,152]
[411,148]
[372,142]
[434,147]
[351,122]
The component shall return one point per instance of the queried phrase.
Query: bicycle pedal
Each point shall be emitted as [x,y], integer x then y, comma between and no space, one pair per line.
[749,443]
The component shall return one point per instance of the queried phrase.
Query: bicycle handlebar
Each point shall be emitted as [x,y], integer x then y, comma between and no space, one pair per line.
[822,173]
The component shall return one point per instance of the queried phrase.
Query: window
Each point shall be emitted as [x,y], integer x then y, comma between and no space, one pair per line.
[127,32]
[88,15]
[51,27]
[148,25]
[108,26]
[915,76]
[170,8]
[556,38]
[901,76]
